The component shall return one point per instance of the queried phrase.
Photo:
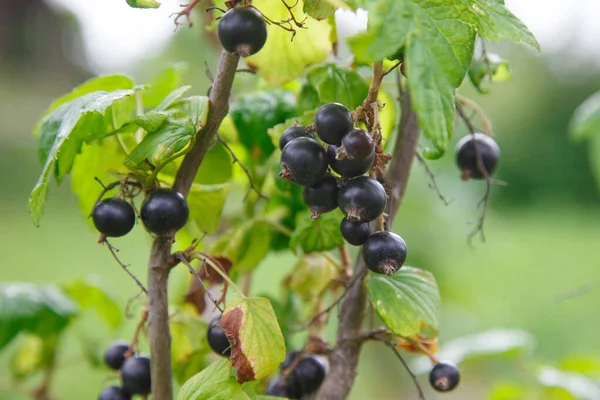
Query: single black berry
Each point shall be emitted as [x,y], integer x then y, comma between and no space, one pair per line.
[113,217]
[362,199]
[358,144]
[164,211]
[346,167]
[115,354]
[384,252]
[322,197]
[467,159]
[113,393]
[293,132]
[444,376]
[355,233]
[284,387]
[242,30]
[303,161]
[333,121]
[135,375]
[309,374]
[290,357]
[217,340]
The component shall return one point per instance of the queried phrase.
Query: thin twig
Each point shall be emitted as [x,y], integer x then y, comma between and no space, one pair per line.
[113,250]
[136,334]
[392,68]
[433,184]
[186,11]
[243,167]
[183,259]
[218,270]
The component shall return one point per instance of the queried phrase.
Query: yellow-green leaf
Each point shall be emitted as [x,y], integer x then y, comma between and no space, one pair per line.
[311,275]
[213,383]
[206,205]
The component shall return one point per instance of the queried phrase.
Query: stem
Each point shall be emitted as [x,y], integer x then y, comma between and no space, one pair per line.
[345,355]
[161,260]
[218,270]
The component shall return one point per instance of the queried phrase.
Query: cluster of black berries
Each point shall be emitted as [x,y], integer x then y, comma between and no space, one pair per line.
[302,374]
[242,31]
[350,153]
[134,372]
[164,212]
[467,158]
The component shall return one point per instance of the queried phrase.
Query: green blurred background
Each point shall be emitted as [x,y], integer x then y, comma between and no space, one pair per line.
[537,271]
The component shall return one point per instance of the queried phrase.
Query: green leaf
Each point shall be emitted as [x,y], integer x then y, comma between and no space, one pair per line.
[33,354]
[163,83]
[319,9]
[585,121]
[246,245]
[510,391]
[255,113]
[90,294]
[189,349]
[335,84]
[214,382]
[217,166]
[275,132]
[314,235]
[40,310]
[193,107]
[206,205]
[481,68]
[311,275]
[143,3]
[257,345]
[62,133]
[172,97]
[281,59]
[406,301]
[579,386]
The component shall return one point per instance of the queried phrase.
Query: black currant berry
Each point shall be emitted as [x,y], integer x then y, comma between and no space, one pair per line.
[283,387]
[303,161]
[217,340]
[290,357]
[362,199]
[113,393]
[355,233]
[135,375]
[309,374]
[444,376]
[322,197]
[358,144]
[384,252]
[292,133]
[242,30]
[115,354]
[164,211]
[113,217]
[346,167]
[466,155]
[333,121]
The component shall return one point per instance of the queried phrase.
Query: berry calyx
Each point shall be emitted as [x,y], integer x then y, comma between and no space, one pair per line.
[217,340]
[113,393]
[292,133]
[362,199]
[444,376]
[114,356]
[303,161]
[113,217]
[322,197]
[135,375]
[333,121]
[243,31]
[384,252]
[164,211]
[355,233]
[467,158]
[346,167]
[358,144]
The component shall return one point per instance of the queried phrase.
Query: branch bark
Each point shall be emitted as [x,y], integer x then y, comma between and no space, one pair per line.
[161,260]
[345,356]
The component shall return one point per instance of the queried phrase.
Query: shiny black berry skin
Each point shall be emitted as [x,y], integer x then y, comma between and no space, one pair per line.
[333,121]
[309,374]
[466,155]
[113,217]
[164,211]
[444,376]
[346,167]
[303,161]
[113,393]
[135,375]
[322,197]
[242,30]
[362,199]
[384,252]
[292,133]
[358,144]
[217,340]
[355,233]
[280,387]
[115,354]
